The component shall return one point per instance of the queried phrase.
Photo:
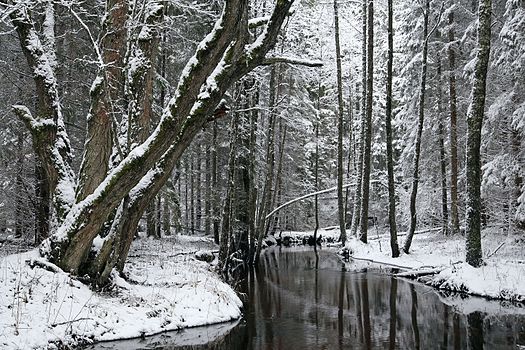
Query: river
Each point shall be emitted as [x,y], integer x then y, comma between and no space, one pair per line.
[300,300]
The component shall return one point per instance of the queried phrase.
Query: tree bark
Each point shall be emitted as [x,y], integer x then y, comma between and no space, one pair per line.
[252,197]
[367,149]
[441,145]
[107,99]
[262,221]
[340,132]
[474,124]
[388,128]
[226,47]
[48,133]
[357,196]
[421,119]
[226,223]
[453,128]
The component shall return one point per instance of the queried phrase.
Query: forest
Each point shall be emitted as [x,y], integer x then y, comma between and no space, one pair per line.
[147,146]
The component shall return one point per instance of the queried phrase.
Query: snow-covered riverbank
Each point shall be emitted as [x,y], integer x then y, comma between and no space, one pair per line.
[439,261]
[167,289]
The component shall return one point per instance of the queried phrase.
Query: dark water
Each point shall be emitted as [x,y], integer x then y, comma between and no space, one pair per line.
[294,305]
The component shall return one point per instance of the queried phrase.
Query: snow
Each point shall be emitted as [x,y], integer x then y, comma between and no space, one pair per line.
[502,277]
[167,289]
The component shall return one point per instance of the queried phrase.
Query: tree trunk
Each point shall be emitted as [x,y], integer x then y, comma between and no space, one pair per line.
[357,196]
[252,198]
[107,99]
[226,222]
[388,127]
[340,132]
[367,149]
[421,119]
[441,145]
[198,183]
[453,128]
[208,189]
[474,124]
[43,197]
[226,52]
[19,205]
[262,222]
[215,192]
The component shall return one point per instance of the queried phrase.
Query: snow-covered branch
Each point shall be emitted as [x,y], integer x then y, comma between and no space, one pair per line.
[292,60]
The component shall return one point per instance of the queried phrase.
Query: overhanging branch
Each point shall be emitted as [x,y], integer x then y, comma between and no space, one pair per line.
[291,60]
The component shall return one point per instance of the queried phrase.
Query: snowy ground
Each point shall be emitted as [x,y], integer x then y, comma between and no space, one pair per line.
[168,289]
[441,260]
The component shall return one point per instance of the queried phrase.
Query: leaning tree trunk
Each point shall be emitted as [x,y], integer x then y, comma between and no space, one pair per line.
[388,127]
[226,53]
[367,149]
[421,119]
[474,124]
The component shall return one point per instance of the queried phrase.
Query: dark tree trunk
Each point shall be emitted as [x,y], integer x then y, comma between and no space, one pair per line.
[421,120]
[226,236]
[19,184]
[357,196]
[441,145]
[43,199]
[453,128]
[252,196]
[215,192]
[388,128]
[262,221]
[474,124]
[367,149]
[198,185]
[340,132]
[208,190]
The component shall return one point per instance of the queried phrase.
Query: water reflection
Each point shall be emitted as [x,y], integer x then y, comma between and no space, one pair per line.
[301,299]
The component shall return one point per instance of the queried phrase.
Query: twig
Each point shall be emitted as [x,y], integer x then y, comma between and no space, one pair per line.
[496,250]
[69,322]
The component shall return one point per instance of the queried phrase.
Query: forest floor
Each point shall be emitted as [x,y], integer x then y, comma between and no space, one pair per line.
[167,289]
[439,260]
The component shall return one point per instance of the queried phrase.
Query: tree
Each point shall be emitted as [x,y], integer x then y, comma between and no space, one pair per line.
[358,195]
[367,143]
[388,127]
[474,123]
[453,127]
[421,116]
[223,57]
[441,145]
[340,132]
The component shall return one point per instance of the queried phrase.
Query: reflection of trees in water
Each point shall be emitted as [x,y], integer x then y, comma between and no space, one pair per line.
[297,300]
[413,315]
[393,314]
[475,330]
[300,301]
